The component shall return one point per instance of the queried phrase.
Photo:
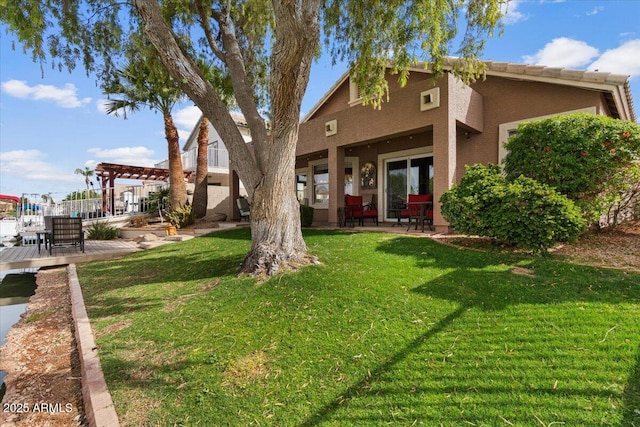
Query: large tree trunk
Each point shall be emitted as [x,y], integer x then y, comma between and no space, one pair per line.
[269,174]
[177,186]
[275,213]
[200,196]
[275,217]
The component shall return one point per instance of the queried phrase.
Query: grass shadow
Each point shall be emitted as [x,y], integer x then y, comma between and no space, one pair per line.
[485,282]
[493,282]
[427,296]
[110,306]
[428,253]
[498,290]
[360,388]
[631,397]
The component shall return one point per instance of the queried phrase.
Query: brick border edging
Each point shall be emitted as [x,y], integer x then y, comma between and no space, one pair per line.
[98,406]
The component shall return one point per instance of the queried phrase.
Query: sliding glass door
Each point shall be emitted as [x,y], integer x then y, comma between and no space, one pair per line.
[403,176]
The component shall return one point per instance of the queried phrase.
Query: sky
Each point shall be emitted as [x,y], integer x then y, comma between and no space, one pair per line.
[53,122]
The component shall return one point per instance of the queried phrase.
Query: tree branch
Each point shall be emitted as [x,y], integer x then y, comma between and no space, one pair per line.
[244,93]
[206,26]
[185,70]
[297,38]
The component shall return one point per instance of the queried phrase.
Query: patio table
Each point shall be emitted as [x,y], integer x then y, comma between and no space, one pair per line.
[424,207]
[42,236]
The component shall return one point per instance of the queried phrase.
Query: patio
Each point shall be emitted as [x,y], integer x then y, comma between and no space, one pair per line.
[18,257]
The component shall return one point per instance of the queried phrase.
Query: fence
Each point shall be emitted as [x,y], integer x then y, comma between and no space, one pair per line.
[125,200]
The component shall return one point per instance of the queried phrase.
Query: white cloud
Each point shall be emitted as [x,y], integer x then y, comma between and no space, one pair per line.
[184,134]
[91,164]
[135,156]
[595,11]
[32,165]
[65,97]
[101,105]
[563,52]
[511,13]
[187,117]
[621,60]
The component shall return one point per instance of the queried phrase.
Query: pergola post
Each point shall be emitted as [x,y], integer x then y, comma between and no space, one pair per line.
[109,172]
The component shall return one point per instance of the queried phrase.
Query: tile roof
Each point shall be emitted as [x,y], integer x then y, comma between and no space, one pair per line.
[597,80]
[615,87]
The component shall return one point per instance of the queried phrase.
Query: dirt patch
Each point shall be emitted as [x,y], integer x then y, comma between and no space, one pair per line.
[206,222]
[618,248]
[41,360]
[522,271]
[246,370]
[115,327]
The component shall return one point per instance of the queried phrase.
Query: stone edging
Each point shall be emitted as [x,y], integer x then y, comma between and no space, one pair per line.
[98,406]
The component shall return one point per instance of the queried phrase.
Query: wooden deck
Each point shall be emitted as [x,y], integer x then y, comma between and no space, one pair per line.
[27,256]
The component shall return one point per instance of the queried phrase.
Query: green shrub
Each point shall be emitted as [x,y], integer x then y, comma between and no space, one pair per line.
[583,156]
[180,216]
[306,215]
[157,200]
[523,213]
[101,230]
[468,207]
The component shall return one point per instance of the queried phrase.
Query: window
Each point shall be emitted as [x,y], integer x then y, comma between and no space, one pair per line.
[354,93]
[348,178]
[321,184]
[318,191]
[404,176]
[404,172]
[301,187]
[331,127]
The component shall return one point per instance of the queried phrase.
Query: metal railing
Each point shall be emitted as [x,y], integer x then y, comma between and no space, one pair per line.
[125,200]
[218,158]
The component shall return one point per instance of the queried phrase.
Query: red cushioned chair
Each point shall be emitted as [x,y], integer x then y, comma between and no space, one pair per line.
[370,211]
[354,209]
[417,203]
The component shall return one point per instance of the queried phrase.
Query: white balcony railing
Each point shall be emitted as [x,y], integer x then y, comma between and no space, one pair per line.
[218,159]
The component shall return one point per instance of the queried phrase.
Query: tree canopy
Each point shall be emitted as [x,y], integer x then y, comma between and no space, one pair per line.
[266,48]
[144,82]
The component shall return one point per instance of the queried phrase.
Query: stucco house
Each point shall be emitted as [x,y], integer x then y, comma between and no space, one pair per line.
[422,138]
[219,173]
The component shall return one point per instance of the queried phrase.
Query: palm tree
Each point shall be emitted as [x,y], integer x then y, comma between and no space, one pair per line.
[87,173]
[222,83]
[144,82]
[200,196]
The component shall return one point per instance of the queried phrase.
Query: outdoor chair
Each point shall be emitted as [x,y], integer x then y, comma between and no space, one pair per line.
[419,208]
[354,209]
[244,208]
[65,231]
[370,210]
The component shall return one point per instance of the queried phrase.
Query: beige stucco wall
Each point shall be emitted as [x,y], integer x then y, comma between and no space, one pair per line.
[500,100]
[463,130]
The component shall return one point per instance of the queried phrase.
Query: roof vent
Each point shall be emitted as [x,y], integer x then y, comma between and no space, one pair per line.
[331,127]
[430,99]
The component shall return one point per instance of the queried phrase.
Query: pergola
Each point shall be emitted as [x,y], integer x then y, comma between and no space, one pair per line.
[109,172]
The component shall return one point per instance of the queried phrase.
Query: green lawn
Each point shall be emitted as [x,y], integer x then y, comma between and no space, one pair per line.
[389,330]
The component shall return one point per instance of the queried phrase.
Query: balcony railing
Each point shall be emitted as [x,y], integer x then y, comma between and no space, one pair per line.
[218,159]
